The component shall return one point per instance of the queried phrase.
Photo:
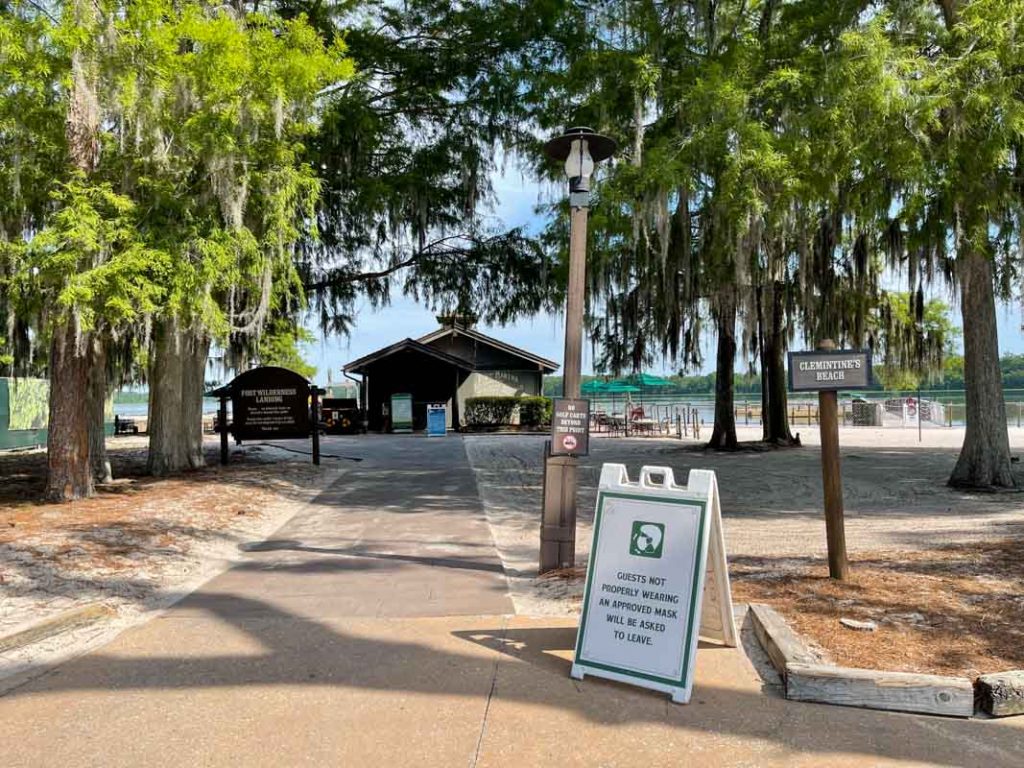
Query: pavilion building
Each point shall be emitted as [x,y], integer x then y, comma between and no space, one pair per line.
[449,365]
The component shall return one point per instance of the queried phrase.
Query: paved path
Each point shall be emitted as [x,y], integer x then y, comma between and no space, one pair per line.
[374,630]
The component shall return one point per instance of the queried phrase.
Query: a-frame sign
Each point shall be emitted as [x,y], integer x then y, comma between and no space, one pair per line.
[657,580]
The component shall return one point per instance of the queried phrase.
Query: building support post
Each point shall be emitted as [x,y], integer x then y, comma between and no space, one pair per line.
[314,393]
[222,424]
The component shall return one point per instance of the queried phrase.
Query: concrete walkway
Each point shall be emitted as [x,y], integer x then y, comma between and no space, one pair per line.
[374,629]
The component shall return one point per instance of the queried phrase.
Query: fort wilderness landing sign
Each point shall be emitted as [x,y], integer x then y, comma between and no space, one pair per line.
[269,403]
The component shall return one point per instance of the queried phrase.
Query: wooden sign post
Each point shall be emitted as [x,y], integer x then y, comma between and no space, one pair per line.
[570,437]
[832,483]
[657,580]
[827,371]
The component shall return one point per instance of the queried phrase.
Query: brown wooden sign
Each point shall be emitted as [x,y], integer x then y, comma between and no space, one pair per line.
[829,370]
[570,427]
[270,404]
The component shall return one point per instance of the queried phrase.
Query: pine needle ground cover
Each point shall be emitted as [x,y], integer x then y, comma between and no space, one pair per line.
[953,610]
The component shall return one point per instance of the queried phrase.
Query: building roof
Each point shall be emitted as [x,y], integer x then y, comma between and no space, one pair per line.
[358,366]
[548,366]
[424,345]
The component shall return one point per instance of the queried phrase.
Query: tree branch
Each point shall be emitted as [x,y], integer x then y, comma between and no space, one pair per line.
[430,249]
[42,9]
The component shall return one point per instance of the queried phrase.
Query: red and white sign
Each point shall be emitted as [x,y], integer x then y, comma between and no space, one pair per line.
[570,425]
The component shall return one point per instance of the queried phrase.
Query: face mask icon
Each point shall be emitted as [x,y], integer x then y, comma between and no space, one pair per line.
[646,539]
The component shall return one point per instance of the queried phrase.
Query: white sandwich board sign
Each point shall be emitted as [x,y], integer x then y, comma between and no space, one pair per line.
[657,580]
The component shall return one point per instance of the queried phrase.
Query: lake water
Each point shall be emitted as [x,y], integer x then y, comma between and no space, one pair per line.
[141,410]
[704,406]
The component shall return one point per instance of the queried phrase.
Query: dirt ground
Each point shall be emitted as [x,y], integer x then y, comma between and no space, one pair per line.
[940,571]
[140,541]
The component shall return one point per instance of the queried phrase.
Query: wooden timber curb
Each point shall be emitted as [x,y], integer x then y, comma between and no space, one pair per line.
[806,679]
[1001,694]
[782,644]
[75,618]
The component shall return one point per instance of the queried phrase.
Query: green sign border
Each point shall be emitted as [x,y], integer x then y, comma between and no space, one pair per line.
[578,659]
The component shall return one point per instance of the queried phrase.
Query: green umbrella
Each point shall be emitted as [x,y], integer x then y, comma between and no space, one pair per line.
[648,380]
[619,387]
[593,387]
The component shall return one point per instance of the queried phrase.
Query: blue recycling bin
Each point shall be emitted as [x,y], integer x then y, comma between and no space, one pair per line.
[437,420]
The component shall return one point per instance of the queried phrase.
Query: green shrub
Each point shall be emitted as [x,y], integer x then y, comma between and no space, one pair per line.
[501,411]
[535,411]
[490,411]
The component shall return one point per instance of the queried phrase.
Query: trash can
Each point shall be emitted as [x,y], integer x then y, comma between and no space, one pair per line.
[437,420]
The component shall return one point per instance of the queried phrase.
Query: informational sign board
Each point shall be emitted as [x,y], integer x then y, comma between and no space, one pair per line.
[437,420]
[570,427]
[657,580]
[270,403]
[401,413]
[828,370]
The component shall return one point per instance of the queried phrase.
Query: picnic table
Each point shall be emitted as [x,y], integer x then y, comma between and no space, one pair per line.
[639,421]
[644,425]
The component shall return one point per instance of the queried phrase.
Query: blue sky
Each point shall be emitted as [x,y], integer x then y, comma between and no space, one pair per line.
[516,196]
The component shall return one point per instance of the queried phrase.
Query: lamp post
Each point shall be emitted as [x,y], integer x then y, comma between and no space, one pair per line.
[580,149]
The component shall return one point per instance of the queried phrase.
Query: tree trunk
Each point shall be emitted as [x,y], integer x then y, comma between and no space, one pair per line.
[985,456]
[723,437]
[96,406]
[177,382]
[167,454]
[773,370]
[196,353]
[70,474]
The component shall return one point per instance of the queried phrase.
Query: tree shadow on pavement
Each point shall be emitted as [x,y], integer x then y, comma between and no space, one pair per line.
[271,647]
[492,565]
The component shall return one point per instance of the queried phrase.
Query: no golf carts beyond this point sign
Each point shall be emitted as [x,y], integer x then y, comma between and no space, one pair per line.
[657,579]
[570,427]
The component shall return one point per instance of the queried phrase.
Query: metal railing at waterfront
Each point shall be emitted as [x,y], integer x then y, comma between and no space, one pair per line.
[878,409]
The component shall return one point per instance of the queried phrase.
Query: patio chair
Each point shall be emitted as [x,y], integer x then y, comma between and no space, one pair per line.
[639,422]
